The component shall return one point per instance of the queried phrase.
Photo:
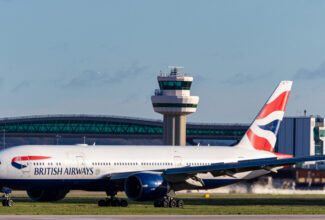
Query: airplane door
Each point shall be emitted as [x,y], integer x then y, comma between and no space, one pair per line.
[80,161]
[177,161]
[76,161]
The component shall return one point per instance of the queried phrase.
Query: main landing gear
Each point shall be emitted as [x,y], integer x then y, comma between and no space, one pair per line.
[169,202]
[113,201]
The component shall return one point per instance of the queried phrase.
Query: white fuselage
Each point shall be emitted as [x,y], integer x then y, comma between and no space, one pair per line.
[94,162]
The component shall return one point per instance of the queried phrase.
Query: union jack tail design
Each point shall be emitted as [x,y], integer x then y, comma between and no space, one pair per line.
[262,133]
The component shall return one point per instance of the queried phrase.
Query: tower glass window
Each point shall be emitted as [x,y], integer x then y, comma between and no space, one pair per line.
[174,85]
[175,105]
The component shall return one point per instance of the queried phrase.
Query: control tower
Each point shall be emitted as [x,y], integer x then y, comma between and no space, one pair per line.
[174,101]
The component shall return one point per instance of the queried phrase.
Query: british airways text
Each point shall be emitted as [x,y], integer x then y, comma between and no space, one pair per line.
[61,171]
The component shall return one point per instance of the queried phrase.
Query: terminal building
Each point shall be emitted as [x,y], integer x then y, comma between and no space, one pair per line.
[299,136]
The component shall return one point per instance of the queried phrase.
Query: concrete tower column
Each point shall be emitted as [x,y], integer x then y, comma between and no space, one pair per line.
[169,130]
[180,130]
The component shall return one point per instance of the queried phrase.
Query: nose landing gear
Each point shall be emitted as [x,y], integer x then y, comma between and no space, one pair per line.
[113,201]
[6,200]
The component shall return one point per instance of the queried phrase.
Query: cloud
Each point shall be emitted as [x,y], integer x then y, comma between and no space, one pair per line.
[317,73]
[94,78]
[21,86]
[244,78]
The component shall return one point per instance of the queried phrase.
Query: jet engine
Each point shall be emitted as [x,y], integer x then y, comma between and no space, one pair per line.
[145,186]
[47,195]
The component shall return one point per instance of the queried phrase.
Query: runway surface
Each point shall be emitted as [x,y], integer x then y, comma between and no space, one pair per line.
[161,217]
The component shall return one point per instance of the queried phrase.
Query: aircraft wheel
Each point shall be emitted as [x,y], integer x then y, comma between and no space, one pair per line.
[172,203]
[115,202]
[124,203]
[4,202]
[108,202]
[10,203]
[180,203]
[157,203]
[165,203]
[102,202]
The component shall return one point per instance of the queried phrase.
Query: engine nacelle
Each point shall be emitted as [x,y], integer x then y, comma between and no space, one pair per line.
[145,186]
[47,195]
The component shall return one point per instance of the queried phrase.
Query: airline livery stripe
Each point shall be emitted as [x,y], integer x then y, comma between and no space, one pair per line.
[279,104]
[259,143]
[24,158]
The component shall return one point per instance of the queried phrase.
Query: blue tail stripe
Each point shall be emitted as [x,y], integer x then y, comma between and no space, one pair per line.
[272,126]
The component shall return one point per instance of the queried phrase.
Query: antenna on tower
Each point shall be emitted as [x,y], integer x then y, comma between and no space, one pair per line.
[174,69]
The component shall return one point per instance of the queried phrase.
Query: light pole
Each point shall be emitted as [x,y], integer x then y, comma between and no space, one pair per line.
[57,139]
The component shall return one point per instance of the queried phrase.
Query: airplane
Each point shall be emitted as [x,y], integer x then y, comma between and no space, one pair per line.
[147,173]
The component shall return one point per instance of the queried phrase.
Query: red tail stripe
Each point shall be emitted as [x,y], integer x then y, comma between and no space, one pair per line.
[23,158]
[279,104]
[259,143]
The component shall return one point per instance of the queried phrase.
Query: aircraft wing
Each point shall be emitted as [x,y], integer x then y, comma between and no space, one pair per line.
[241,166]
[224,168]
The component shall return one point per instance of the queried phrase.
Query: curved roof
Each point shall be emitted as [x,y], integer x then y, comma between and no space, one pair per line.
[100,126]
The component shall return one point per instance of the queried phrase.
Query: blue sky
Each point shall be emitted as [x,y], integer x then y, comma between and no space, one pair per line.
[102,57]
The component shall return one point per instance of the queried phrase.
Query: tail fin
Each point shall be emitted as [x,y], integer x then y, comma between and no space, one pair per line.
[262,133]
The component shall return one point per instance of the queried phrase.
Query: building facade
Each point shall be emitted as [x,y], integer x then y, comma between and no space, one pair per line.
[301,136]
